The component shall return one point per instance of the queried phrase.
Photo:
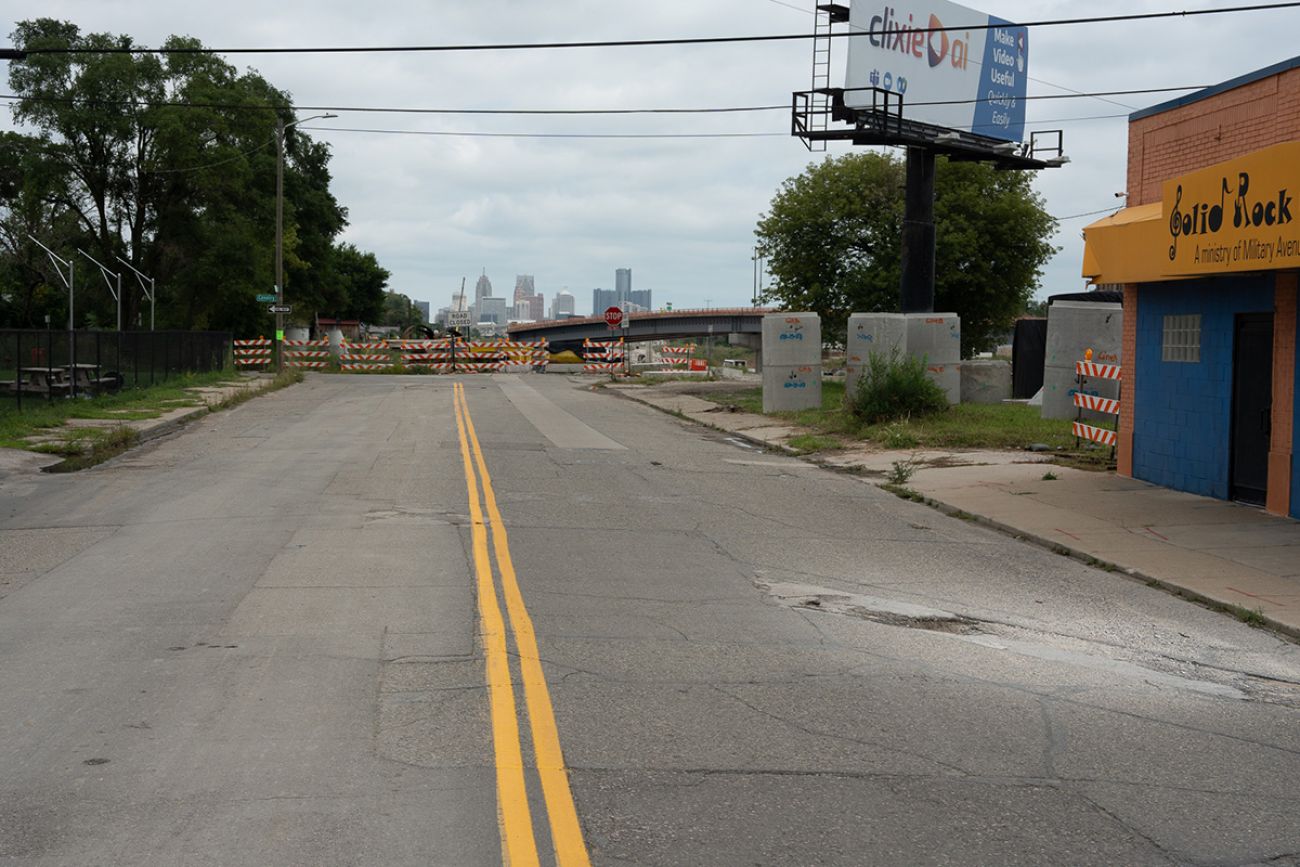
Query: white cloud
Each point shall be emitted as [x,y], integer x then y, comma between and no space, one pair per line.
[680,213]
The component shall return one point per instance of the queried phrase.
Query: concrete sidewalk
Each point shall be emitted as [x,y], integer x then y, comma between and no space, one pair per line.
[210,396]
[1215,551]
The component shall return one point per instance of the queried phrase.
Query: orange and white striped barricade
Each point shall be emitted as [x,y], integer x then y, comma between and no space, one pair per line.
[253,353]
[676,356]
[1084,370]
[363,356]
[602,356]
[307,353]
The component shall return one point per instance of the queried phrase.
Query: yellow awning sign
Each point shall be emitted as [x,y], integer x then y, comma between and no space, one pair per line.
[1236,216]
[1239,215]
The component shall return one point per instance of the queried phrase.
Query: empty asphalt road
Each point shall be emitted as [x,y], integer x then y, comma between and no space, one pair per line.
[510,619]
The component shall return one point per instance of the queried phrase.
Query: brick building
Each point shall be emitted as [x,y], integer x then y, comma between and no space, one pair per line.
[1208,253]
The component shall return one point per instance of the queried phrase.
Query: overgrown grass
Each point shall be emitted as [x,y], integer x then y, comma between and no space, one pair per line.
[85,446]
[993,426]
[806,444]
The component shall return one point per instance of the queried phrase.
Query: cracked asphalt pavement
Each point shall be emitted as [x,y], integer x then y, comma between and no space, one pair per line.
[258,641]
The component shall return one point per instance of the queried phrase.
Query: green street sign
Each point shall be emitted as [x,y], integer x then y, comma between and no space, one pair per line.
[267,298]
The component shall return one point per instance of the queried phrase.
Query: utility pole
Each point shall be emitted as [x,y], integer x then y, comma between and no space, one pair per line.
[280,128]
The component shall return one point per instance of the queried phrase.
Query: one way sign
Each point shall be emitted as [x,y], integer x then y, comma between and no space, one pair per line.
[280,308]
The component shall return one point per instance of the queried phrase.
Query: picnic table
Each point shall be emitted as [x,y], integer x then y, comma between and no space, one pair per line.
[59,380]
[43,380]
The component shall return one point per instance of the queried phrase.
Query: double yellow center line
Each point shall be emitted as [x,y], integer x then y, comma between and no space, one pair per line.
[519,843]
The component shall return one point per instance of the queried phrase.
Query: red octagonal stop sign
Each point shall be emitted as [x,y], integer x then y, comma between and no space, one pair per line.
[613,316]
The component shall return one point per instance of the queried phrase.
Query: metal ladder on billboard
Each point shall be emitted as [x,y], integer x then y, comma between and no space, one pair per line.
[825,16]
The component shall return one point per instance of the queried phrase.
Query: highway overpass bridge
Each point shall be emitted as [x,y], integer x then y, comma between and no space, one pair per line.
[650,325]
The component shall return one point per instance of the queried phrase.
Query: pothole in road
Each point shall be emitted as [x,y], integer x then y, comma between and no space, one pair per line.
[890,612]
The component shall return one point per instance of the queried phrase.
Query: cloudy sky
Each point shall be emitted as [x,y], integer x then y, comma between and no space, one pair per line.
[440,197]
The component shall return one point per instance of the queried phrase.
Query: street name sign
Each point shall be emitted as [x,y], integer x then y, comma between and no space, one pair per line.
[268,298]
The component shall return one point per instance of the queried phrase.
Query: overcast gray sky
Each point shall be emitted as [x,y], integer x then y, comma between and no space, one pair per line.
[679,212]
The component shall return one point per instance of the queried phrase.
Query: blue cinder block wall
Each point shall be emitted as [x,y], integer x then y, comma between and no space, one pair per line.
[1183,411]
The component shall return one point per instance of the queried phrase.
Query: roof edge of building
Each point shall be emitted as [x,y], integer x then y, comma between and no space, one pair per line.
[1215,89]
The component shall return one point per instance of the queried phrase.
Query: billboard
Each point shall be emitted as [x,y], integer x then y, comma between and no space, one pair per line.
[970,80]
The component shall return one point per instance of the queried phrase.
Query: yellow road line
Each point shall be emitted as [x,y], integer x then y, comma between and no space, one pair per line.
[518,844]
[566,833]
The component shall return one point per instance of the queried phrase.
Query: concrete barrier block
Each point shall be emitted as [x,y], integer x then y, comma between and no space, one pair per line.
[792,339]
[985,381]
[788,387]
[948,378]
[868,335]
[1074,327]
[936,336]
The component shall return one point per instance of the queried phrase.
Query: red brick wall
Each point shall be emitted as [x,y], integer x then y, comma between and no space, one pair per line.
[1283,414]
[1128,390]
[1209,131]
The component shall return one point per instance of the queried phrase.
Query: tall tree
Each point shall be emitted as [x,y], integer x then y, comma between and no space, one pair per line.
[832,239]
[170,163]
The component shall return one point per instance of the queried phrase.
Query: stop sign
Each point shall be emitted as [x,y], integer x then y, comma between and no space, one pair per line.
[613,316]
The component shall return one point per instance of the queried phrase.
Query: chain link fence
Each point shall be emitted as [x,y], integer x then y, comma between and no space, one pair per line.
[49,365]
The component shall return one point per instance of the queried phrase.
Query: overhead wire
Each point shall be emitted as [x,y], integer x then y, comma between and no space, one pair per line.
[637,43]
[546,111]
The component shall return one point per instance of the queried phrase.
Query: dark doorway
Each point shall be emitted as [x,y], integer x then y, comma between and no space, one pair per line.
[1252,405]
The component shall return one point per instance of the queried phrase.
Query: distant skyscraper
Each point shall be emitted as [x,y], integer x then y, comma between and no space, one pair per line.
[523,287]
[536,307]
[459,302]
[564,305]
[623,283]
[423,307]
[483,288]
[492,310]
[602,300]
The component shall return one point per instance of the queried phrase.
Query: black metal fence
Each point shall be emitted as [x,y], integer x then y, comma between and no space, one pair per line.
[46,365]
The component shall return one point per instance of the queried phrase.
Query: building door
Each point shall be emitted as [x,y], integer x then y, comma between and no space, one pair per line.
[1252,406]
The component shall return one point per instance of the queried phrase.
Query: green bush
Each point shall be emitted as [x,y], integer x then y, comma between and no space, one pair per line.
[894,387]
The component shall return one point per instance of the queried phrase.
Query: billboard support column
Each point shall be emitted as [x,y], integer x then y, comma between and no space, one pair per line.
[918,233]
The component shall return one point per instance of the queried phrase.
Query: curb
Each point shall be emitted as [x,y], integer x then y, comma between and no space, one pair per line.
[1289,630]
[737,434]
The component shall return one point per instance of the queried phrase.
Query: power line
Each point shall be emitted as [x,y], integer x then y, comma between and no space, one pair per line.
[1109,210]
[592,135]
[356,108]
[543,111]
[21,53]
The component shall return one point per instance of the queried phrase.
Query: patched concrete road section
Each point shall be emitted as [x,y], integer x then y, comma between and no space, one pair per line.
[260,642]
[252,643]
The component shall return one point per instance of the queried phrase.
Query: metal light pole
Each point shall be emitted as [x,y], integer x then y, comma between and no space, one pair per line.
[280,128]
[114,290]
[59,264]
[150,291]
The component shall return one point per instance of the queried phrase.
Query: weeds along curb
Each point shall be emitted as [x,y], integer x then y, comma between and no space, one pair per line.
[677,413]
[125,438]
[1256,619]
